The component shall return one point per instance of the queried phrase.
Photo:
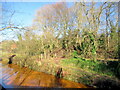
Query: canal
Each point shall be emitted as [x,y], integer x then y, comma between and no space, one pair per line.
[13,76]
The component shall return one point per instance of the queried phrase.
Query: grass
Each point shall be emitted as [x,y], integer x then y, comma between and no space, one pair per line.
[75,69]
[91,70]
[89,65]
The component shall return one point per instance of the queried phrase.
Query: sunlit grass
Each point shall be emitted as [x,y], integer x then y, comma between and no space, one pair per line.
[88,65]
[75,69]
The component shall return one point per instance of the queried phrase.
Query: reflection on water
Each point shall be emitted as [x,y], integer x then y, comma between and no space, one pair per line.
[58,83]
[14,76]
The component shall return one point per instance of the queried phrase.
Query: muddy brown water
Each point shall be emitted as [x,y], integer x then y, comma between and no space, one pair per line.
[12,76]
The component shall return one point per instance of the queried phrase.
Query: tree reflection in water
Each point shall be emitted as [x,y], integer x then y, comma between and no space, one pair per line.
[16,76]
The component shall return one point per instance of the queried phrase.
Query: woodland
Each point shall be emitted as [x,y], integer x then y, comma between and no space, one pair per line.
[81,39]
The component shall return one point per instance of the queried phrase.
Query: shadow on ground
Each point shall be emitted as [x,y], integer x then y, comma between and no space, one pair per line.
[104,82]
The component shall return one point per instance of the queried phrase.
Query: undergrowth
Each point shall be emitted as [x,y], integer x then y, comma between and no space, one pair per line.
[75,68]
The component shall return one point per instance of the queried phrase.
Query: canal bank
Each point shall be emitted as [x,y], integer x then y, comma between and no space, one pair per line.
[14,76]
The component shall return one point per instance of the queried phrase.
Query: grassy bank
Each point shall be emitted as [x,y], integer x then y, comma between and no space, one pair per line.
[92,70]
[97,73]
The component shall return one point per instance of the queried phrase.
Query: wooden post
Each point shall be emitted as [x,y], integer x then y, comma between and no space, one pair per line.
[59,73]
[10,59]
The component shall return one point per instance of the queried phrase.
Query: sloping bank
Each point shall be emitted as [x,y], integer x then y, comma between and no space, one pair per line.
[95,74]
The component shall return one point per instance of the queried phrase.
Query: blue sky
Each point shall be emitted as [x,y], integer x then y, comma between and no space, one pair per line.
[23,16]
[24,13]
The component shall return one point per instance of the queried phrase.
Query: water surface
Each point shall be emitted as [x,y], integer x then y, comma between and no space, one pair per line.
[15,77]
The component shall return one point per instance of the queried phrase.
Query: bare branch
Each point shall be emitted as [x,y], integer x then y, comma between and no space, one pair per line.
[13,27]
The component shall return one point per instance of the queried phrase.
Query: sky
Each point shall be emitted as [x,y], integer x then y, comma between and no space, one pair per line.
[23,15]
[24,11]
